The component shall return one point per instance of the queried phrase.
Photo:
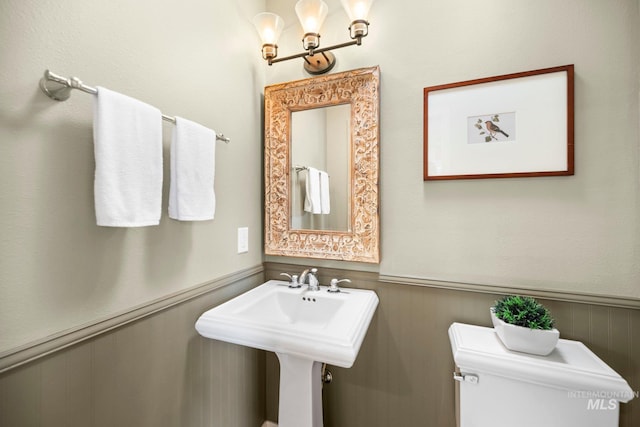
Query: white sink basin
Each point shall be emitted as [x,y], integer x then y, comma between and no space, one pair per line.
[314,325]
[304,328]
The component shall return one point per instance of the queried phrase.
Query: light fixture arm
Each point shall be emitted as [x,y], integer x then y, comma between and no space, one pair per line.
[311,52]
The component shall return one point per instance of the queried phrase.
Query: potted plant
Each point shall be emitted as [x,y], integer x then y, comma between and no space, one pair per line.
[525,325]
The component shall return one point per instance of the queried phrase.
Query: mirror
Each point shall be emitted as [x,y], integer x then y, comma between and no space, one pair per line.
[320,140]
[321,167]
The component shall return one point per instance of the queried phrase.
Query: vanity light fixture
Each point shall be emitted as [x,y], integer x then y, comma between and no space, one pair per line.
[311,14]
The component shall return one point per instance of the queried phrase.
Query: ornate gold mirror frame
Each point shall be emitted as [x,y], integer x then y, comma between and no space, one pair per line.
[360,88]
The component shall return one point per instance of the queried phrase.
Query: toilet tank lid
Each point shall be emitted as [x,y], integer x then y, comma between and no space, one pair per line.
[571,365]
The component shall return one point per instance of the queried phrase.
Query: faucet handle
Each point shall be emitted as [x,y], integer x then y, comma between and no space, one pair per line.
[294,280]
[333,287]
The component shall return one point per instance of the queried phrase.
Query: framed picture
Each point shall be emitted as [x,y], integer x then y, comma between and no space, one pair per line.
[515,125]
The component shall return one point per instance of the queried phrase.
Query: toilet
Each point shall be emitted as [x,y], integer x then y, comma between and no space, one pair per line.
[496,387]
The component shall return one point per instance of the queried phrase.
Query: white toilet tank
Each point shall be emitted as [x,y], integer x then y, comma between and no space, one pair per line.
[571,387]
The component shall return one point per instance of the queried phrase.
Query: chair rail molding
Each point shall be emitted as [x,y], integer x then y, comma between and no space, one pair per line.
[586,298]
[36,349]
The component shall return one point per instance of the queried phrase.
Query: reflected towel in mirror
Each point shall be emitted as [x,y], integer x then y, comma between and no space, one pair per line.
[325,205]
[317,199]
[312,197]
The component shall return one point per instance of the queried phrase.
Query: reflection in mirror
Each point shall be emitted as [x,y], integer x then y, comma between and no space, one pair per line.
[320,144]
[300,137]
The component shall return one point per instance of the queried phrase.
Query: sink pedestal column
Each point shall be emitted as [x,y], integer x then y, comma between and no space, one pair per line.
[300,392]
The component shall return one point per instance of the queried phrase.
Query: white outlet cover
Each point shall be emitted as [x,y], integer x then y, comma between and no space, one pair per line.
[243,240]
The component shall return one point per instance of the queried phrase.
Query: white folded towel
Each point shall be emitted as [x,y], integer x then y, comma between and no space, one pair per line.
[312,197]
[127,136]
[325,205]
[193,154]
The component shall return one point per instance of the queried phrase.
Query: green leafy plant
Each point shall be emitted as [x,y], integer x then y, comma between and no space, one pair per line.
[523,311]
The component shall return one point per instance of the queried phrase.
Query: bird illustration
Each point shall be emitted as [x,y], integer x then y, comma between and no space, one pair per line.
[493,129]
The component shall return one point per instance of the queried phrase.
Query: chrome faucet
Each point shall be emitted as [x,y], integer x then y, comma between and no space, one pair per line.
[309,276]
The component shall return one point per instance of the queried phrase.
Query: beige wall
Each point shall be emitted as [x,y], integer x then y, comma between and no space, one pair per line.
[574,234]
[197,59]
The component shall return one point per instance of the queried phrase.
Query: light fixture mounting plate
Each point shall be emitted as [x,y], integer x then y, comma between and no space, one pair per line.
[319,63]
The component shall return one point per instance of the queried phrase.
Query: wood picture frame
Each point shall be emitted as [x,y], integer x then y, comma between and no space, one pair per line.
[509,126]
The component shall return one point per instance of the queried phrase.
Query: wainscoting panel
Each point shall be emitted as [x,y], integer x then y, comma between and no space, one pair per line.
[153,372]
[403,374]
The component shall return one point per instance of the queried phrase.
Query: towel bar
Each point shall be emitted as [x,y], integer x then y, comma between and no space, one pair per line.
[58,88]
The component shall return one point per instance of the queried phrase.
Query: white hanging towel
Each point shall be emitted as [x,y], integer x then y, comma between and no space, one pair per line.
[325,205]
[193,155]
[127,136]
[312,197]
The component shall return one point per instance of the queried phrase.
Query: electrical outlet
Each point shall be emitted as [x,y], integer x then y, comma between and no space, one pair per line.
[243,240]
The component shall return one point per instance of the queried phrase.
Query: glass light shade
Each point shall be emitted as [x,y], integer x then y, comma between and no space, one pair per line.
[269,26]
[311,14]
[357,9]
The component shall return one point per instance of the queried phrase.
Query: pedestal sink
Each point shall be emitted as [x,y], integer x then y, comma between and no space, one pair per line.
[304,328]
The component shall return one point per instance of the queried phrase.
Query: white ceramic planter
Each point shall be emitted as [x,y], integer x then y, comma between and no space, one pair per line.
[526,340]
